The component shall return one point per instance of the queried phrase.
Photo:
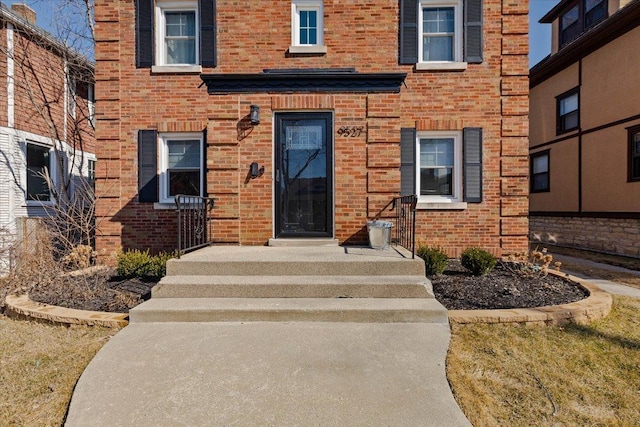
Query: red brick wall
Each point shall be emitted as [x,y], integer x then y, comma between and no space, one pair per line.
[492,95]
[39,93]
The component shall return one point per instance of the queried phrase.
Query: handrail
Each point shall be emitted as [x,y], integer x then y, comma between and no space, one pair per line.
[405,233]
[194,222]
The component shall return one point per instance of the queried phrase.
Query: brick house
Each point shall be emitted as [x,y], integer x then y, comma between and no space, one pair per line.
[585,129]
[46,107]
[358,103]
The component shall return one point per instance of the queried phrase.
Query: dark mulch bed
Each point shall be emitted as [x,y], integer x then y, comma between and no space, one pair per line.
[95,290]
[457,289]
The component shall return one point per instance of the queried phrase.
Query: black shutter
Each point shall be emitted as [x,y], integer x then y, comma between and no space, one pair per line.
[408,31]
[207,9]
[203,167]
[473,31]
[147,166]
[144,33]
[407,161]
[472,140]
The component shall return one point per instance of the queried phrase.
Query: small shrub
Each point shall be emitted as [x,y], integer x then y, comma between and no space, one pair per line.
[477,261]
[158,266]
[435,259]
[137,263]
[133,263]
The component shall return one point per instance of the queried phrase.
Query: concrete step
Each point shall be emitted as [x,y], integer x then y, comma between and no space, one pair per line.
[298,243]
[293,287]
[357,310]
[292,261]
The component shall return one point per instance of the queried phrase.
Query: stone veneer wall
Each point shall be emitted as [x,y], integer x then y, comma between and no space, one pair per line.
[611,235]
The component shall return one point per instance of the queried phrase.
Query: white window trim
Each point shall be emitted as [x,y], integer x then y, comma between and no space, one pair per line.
[160,27]
[163,161]
[53,174]
[454,201]
[296,46]
[457,63]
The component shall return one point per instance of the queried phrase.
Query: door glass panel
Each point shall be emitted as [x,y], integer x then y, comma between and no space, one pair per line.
[304,178]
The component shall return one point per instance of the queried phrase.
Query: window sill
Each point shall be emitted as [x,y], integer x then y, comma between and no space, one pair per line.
[423,206]
[316,49]
[176,69]
[164,206]
[441,66]
[37,204]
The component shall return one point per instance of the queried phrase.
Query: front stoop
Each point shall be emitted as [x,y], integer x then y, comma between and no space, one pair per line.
[277,336]
[293,283]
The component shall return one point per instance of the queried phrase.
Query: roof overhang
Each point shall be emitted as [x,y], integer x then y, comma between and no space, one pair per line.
[278,81]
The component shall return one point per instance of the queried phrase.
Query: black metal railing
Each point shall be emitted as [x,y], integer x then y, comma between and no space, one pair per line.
[194,222]
[405,233]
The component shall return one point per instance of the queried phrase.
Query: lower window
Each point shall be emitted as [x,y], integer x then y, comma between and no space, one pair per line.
[634,153]
[540,172]
[38,167]
[439,166]
[181,165]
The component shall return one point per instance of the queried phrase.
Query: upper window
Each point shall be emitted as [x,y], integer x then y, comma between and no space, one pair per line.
[634,153]
[180,165]
[439,166]
[540,172]
[440,31]
[38,168]
[177,38]
[579,17]
[307,26]
[568,111]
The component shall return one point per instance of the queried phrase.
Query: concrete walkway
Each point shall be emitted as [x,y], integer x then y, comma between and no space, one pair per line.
[277,337]
[606,285]
[269,374]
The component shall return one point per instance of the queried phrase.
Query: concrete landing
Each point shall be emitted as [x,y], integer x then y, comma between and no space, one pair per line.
[269,374]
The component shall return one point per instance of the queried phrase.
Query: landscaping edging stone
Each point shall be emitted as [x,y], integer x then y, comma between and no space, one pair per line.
[22,306]
[596,306]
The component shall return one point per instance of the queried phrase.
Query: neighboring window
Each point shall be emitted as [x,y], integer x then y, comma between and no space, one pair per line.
[72,94]
[579,17]
[540,172]
[91,104]
[180,165]
[177,38]
[594,12]
[91,173]
[440,31]
[38,168]
[568,111]
[439,166]
[634,153]
[307,27]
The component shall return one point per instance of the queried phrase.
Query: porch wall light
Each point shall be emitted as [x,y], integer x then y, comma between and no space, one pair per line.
[254,114]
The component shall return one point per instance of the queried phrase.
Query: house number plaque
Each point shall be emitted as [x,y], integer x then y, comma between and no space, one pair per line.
[350,131]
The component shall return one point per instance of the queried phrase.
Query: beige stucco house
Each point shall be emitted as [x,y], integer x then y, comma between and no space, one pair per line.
[585,129]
